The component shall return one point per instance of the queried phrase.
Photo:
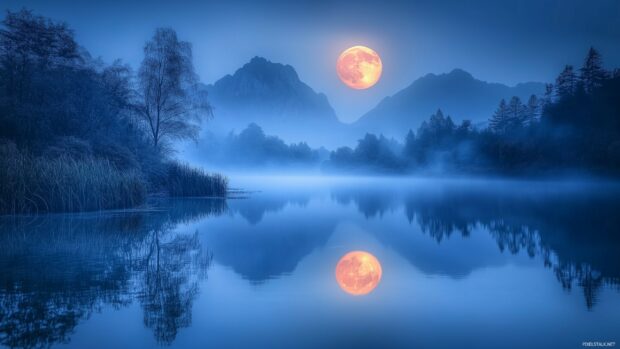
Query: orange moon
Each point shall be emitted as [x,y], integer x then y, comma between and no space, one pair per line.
[358,273]
[359,67]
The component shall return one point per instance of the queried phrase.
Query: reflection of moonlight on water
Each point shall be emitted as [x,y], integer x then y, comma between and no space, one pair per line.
[358,272]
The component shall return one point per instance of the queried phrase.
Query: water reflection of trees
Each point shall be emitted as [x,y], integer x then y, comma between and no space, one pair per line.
[169,272]
[58,270]
[573,229]
[371,204]
[253,210]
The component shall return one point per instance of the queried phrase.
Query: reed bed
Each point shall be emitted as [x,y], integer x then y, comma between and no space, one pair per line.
[63,184]
[184,180]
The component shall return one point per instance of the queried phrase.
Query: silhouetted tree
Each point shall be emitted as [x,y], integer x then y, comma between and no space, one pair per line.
[548,96]
[409,148]
[500,120]
[592,72]
[371,154]
[572,129]
[54,100]
[566,83]
[29,43]
[517,113]
[170,105]
[58,105]
[438,126]
[252,147]
[342,157]
[373,150]
[533,110]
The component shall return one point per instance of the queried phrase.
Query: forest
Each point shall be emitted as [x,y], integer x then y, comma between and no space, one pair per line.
[573,129]
[77,134]
[252,148]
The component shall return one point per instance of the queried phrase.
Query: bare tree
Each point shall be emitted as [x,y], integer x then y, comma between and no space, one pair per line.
[170,104]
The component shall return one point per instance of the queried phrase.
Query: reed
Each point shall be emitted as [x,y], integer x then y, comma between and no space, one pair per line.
[63,184]
[184,180]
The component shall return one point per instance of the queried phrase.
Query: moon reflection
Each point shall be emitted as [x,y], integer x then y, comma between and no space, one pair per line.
[358,273]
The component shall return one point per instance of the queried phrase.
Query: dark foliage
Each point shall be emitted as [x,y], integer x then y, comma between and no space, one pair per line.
[577,128]
[372,154]
[64,111]
[253,148]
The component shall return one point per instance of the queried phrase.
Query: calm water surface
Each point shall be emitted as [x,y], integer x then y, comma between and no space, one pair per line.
[485,264]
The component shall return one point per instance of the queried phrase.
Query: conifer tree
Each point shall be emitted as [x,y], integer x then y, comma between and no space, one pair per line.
[533,110]
[517,113]
[548,97]
[566,83]
[592,72]
[409,148]
[499,120]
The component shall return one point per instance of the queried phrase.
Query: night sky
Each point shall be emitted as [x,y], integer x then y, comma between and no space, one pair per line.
[500,41]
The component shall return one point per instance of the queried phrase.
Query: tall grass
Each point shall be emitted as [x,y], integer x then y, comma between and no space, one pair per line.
[35,185]
[183,180]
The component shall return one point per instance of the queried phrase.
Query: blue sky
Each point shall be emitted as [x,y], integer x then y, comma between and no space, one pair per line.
[499,41]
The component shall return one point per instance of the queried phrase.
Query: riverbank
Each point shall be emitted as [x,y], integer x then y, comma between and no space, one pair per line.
[36,184]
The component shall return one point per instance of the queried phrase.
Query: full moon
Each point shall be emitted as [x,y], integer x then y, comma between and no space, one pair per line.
[358,273]
[359,67]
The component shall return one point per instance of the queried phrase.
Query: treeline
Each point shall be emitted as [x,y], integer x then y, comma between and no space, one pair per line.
[252,148]
[575,126]
[77,134]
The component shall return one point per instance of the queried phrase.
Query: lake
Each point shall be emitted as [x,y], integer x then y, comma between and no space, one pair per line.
[464,263]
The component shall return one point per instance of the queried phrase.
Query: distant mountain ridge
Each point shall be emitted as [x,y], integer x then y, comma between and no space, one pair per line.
[271,95]
[457,93]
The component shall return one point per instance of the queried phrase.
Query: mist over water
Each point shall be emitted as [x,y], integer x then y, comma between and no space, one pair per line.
[455,252]
[255,210]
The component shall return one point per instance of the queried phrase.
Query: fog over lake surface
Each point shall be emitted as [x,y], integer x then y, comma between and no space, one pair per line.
[466,263]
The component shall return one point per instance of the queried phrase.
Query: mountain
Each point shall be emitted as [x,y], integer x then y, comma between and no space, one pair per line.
[457,93]
[272,96]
